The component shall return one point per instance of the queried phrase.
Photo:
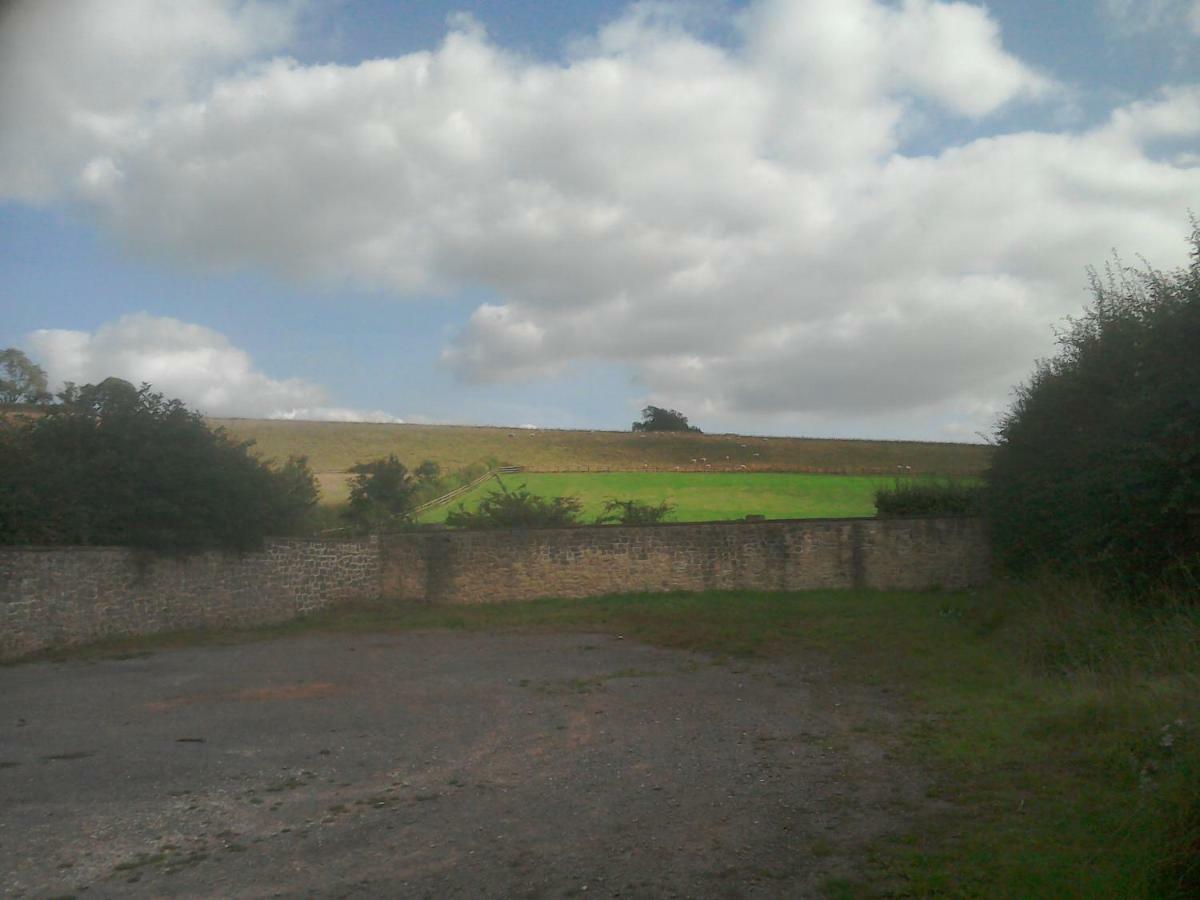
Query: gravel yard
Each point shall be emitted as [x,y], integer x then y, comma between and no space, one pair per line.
[443,764]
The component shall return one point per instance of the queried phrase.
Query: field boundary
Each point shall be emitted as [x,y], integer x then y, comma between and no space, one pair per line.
[59,596]
[465,489]
[751,468]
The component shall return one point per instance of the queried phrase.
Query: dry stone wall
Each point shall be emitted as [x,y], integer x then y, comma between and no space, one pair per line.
[58,596]
[69,595]
[498,566]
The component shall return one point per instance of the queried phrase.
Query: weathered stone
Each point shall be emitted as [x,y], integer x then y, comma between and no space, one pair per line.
[54,596]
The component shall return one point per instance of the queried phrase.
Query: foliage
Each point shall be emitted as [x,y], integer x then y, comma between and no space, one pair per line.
[1097,464]
[713,497]
[517,509]
[655,418]
[634,512]
[929,498]
[382,491]
[22,381]
[117,465]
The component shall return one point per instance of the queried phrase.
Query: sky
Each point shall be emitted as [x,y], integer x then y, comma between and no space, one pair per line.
[853,219]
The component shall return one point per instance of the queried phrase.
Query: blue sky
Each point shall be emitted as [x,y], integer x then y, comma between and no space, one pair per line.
[860,219]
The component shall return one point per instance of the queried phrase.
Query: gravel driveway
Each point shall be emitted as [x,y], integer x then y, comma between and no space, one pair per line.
[442,764]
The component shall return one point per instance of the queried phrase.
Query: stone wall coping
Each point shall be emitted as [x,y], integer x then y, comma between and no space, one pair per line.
[183,554]
[440,532]
[590,526]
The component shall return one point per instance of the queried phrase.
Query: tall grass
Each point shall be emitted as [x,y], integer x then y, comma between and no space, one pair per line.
[1112,730]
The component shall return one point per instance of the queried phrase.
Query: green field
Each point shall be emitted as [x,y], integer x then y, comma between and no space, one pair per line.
[333,447]
[699,497]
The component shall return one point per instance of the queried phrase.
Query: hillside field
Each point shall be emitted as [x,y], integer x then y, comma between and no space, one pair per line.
[333,447]
[699,497]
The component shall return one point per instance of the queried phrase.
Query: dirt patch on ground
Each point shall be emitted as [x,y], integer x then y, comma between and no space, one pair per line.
[443,765]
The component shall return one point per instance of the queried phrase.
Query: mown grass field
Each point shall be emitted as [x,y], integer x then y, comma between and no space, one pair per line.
[1062,730]
[699,497]
[333,447]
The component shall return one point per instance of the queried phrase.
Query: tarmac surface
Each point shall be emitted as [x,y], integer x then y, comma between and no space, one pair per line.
[443,764]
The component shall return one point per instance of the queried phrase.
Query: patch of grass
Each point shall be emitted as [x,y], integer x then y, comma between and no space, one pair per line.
[699,497]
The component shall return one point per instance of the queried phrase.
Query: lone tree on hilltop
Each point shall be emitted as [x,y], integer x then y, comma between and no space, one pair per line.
[1097,463]
[655,418]
[21,379]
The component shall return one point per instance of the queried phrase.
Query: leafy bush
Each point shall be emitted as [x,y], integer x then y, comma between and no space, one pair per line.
[112,464]
[1097,464]
[633,512]
[929,498]
[383,491]
[518,509]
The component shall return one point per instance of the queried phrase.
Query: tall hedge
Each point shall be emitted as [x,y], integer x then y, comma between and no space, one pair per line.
[1097,465]
[115,465]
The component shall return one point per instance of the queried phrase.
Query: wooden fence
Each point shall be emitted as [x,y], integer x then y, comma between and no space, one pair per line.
[464,489]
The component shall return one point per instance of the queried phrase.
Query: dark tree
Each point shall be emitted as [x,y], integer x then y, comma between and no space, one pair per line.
[1097,464]
[655,418]
[21,380]
[381,493]
[117,465]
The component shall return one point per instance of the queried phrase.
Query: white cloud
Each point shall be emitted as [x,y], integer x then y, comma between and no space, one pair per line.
[737,224]
[195,364]
[336,414]
[76,79]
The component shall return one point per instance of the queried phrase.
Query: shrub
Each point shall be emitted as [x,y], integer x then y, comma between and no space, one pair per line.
[929,498]
[112,464]
[518,509]
[1097,464]
[633,512]
[383,492]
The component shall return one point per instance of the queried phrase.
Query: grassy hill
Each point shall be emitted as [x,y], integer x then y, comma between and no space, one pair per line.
[333,447]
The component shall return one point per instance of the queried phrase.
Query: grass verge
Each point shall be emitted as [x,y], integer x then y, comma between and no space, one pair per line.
[1063,729]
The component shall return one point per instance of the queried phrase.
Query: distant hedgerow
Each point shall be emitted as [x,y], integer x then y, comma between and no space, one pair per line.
[930,498]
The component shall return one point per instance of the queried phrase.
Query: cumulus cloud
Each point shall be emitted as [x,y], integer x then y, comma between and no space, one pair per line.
[195,364]
[739,223]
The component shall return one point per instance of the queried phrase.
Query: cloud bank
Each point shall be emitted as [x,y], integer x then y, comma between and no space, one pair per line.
[740,223]
[193,363]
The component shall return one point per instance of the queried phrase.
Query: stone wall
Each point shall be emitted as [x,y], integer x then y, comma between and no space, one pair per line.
[57,596]
[498,566]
